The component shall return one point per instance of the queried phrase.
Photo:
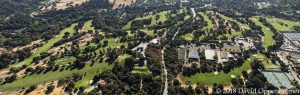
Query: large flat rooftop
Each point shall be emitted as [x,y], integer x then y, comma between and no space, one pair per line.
[209,54]
[292,36]
[193,53]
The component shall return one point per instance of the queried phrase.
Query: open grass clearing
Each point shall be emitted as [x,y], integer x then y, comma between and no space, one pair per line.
[65,60]
[162,18]
[210,25]
[188,37]
[90,71]
[46,46]
[85,81]
[269,65]
[114,42]
[268,39]
[148,32]
[220,78]
[143,69]
[282,25]
[233,33]
[52,76]
[244,26]
[88,25]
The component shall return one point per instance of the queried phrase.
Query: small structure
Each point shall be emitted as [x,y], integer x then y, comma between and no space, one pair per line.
[209,54]
[182,54]
[193,54]
[223,56]
[292,42]
[231,56]
[245,42]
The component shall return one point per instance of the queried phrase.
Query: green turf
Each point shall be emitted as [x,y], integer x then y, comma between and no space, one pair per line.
[114,42]
[221,78]
[36,79]
[282,25]
[88,25]
[128,25]
[89,76]
[90,71]
[268,39]
[245,26]
[210,25]
[144,69]
[162,19]
[233,33]
[148,32]
[188,37]
[65,60]
[46,46]
[187,17]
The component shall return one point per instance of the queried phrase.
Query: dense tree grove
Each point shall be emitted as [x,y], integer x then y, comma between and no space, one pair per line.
[117,37]
[45,25]
[121,81]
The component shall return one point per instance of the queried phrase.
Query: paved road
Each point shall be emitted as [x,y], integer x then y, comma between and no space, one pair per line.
[165,72]
[164,65]
[91,88]
[145,1]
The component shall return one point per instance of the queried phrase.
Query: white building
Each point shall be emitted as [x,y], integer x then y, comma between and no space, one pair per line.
[209,54]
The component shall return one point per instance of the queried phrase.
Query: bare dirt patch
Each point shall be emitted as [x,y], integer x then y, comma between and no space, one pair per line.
[117,3]
[40,41]
[2,50]
[43,88]
[63,4]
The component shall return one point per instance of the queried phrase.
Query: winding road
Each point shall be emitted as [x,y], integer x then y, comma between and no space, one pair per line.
[164,65]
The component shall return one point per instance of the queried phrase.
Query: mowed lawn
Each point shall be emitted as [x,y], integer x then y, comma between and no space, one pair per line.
[210,25]
[114,42]
[88,25]
[37,79]
[65,60]
[188,37]
[245,26]
[46,46]
[85,81]
[143,69]
[268,39]
[162,18]
[282,25]
[220,78]
[233,33]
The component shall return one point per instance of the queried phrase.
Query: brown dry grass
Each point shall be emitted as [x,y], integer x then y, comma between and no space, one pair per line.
[117,3]
[63,4]
[2,50]
[42,89]
[40,41]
